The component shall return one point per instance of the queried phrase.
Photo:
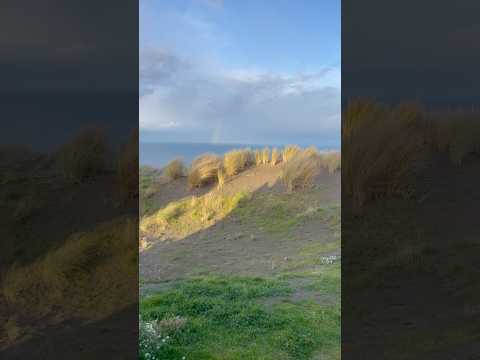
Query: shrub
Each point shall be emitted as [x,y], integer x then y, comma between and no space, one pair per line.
[174,170]
[265,156]
[289,152]
[236,161]
[300,171]
[85,155]
[275,156]
[128,169]
[204,170]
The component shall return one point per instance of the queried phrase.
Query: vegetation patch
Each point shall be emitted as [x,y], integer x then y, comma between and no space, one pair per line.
[236,161]
[282,212]
[70,278]
[204,170]
[174,170]
[191,214]
[226,318]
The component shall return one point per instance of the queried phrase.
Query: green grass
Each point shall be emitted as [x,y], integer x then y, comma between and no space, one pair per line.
[227,318]
[281,213]
[192,214]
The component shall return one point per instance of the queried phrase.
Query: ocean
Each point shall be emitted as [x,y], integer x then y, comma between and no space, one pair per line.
[158,154]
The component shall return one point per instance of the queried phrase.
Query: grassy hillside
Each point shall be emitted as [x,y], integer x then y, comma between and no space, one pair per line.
[246,270]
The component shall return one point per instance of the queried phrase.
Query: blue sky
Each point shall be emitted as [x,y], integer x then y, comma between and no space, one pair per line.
[240,71]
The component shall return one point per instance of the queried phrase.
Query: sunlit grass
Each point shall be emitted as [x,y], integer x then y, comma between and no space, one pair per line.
[191,214]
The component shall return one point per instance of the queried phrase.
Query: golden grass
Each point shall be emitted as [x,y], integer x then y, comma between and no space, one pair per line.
[332,161]
[300,171]
[289,152]
[221,177]
[275,157]
[265,156]
[174,170]
[258,157]
[128,167]
[204,170]
[98,264]
[236,161]
[85,155]
[192,214]
[383,147]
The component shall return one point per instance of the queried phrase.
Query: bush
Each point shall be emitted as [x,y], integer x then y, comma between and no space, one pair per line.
[289,152]
[85,155]
[174,170]
[128,169]
[236,161]
[301,170]
[204,170]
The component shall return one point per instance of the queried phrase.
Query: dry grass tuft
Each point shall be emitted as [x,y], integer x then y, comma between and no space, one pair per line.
[174,170]
[204,170]
[331,161]
[300,171]
[236,161]
[275,157]
[383,148]
[289,152]
[221,175]
[85,155]
[71,278]
[258,157]
[265,156]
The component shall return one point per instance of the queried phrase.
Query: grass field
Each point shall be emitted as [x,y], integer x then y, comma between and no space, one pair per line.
[244,318]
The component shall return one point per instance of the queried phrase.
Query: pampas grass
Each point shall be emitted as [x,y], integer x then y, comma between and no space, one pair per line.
[174,170]
[289,152]
[204,170]
[236,161]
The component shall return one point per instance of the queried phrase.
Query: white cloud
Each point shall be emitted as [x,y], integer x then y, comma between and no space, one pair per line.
[236,105]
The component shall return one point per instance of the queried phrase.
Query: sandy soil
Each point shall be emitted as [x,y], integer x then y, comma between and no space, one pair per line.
[236,245]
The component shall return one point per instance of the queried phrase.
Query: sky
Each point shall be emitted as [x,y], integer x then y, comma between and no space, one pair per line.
[65,66]
[247,72]
[426,51]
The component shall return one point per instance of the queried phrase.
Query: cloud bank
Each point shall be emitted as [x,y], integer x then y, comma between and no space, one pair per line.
[180,98]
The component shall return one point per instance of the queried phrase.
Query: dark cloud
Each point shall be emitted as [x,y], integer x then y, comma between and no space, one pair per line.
[73,46]
[411,49]
[66,64]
